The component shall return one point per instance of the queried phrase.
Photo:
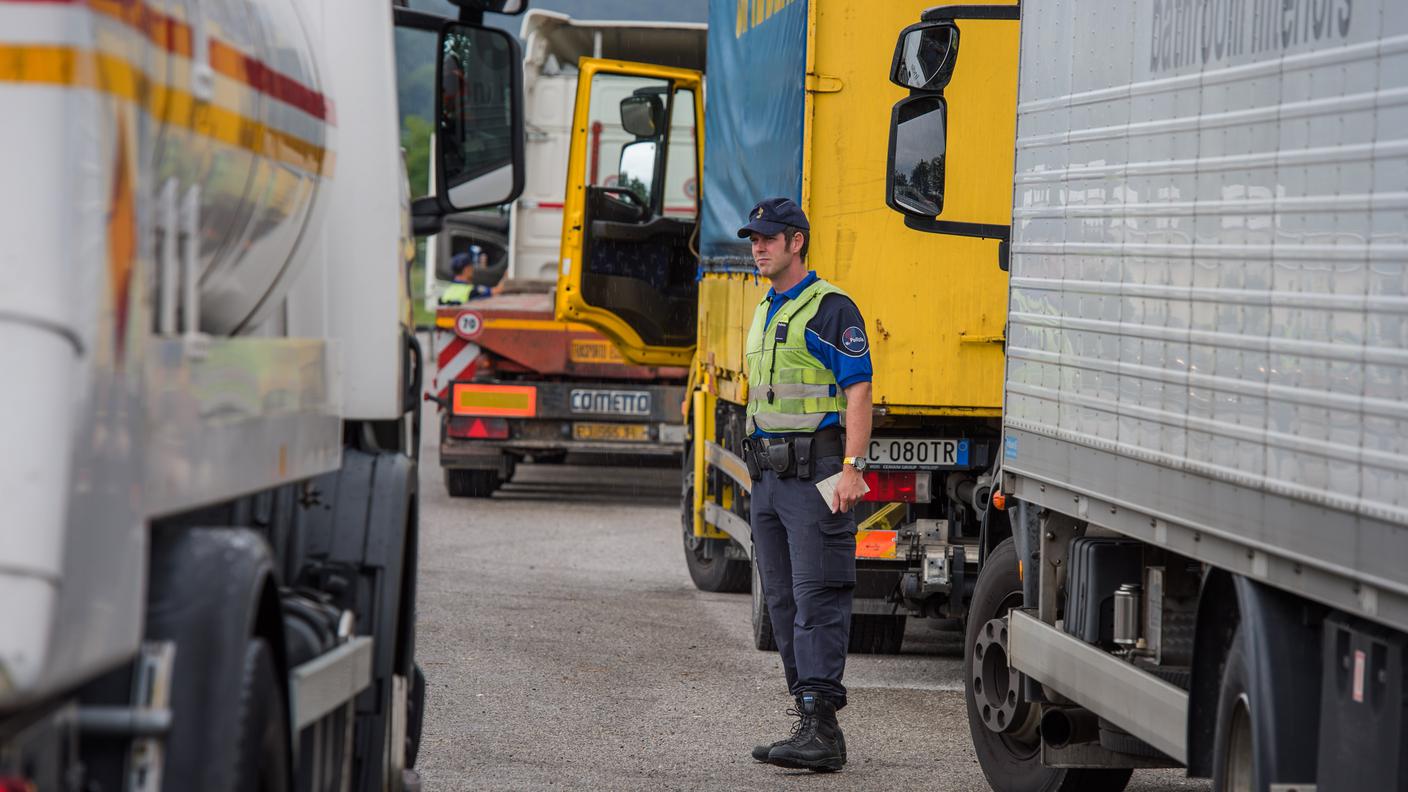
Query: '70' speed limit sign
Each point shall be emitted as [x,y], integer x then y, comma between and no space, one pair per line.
[468,324]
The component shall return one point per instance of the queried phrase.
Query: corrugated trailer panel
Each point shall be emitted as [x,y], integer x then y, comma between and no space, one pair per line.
[936,305]
[1209,305]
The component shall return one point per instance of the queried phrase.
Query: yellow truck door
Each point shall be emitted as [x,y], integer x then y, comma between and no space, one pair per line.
[630,215]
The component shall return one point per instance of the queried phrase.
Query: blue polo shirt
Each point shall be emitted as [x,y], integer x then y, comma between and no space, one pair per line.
[835,336]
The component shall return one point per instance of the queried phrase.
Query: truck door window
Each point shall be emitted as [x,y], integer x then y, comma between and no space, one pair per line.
[681,180]
[639,211]
[415,90]
[607,135]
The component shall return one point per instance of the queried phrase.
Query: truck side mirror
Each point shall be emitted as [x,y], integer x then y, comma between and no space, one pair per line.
[479,129]
[643,115]
[637,169]
[925,55]
[914,177]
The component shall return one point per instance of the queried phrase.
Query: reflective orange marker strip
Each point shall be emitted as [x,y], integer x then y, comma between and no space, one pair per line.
[876,544]
[503,401]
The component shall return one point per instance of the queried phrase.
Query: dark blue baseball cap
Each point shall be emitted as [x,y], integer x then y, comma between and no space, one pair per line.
[772,215]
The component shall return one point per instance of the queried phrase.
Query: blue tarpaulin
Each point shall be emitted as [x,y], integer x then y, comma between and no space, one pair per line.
[753,116]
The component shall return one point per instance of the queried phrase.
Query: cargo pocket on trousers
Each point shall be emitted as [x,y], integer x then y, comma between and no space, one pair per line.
[838,552]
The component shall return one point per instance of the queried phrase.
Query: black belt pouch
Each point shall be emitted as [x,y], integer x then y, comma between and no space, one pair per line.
[802,450]
[750,456]
[780,459]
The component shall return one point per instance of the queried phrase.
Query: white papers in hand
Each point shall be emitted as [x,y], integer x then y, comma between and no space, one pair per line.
[827,488]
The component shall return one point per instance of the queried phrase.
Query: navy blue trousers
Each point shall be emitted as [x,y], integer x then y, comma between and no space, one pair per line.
[806,558]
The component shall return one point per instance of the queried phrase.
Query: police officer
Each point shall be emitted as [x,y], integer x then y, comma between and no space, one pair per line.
[809,377]
[462,266]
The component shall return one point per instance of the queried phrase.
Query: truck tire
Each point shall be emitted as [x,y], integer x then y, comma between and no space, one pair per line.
[1234,750]
[1266,731]
[877,634]
[212,593]
[763,639]
[1011,760]
[263,728]
[709,574]
[415,715]
[461,483]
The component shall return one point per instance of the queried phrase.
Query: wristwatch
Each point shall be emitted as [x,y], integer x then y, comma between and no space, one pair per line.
[856,462]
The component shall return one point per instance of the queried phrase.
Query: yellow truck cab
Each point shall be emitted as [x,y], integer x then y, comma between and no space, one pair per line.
[797,107]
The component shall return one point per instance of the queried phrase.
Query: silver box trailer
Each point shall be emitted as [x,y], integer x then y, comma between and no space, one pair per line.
[1205,450]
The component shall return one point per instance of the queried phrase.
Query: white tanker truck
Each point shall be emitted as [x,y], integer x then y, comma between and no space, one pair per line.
[208,508]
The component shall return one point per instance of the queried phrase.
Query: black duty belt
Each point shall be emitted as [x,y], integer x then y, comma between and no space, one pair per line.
[791,455]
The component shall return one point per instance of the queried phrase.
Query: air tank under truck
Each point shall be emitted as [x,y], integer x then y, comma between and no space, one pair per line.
[208,507]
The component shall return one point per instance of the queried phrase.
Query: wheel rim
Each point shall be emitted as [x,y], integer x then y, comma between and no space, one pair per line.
[997,691]
[992,682]
[1237,774]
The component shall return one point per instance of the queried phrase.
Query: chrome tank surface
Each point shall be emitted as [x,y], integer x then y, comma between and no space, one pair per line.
[258,173]
[159,136]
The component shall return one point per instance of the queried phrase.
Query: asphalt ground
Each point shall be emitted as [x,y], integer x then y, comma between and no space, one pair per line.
[566,648]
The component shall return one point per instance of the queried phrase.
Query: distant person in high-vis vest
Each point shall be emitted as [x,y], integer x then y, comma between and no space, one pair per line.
[809,415]
[462,266]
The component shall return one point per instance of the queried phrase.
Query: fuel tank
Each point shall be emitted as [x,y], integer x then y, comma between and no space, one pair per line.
[152,149]
[257,176]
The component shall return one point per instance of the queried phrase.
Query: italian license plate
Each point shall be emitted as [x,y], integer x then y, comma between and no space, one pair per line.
[592,350]
[631,433]
[611,402]
[917,452]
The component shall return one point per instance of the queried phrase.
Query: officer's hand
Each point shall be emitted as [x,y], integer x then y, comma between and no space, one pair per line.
[849,491]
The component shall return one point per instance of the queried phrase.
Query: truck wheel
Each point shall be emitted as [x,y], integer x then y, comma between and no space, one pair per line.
[709,574]
[1241,743]
[263,728]
[462,483]
[415,715]
[877,634]
[763,639]
[1003,724]
[1235,762]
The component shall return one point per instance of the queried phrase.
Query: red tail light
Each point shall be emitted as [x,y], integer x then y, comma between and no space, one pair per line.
[898,486]
[478,428]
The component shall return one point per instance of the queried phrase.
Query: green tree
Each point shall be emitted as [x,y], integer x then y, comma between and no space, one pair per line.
[415,138]
[919,175]
[636,186]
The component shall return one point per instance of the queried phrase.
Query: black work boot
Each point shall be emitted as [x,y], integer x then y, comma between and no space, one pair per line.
[818,744]
[760,752]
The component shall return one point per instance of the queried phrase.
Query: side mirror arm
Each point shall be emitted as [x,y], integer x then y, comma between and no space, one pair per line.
[954,12]
[1002,233]
[427,216]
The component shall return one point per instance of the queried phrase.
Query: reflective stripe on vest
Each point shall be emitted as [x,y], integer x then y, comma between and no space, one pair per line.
[456,294]
[802,387]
